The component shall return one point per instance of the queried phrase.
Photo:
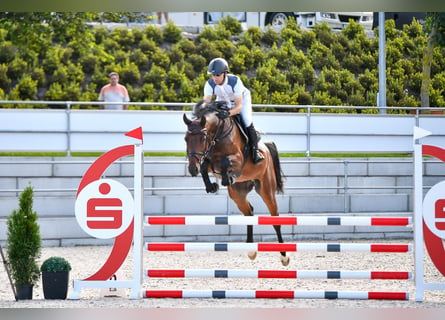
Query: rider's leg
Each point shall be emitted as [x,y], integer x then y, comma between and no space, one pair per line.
[253,142]
[246,115]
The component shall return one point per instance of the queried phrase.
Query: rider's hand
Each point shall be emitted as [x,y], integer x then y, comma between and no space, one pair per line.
[223,114]
[222,105]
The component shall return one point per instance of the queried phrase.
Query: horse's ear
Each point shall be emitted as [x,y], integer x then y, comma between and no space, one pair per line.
[187,121]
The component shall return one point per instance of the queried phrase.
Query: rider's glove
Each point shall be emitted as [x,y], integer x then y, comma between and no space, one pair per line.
[223,114]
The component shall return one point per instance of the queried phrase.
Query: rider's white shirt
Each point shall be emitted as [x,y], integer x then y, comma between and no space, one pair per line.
[225,91]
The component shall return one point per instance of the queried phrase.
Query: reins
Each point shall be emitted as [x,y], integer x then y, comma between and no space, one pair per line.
[220,134]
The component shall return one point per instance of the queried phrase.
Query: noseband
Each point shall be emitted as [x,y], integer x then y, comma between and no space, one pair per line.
[207,148]
[209,143]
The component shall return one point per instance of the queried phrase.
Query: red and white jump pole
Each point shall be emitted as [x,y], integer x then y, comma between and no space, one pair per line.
[275,294]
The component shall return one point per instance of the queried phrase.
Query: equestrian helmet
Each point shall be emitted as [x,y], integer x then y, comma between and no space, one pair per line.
[218,66]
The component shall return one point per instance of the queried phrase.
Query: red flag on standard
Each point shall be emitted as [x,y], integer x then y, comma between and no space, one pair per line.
[136,133]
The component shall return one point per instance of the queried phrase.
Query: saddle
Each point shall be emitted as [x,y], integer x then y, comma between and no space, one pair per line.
[221,107]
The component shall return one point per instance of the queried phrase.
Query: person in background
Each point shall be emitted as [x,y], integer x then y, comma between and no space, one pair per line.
[114,92]
[160,17]
[229,88]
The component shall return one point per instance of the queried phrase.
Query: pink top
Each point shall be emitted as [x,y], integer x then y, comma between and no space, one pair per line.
[117,93]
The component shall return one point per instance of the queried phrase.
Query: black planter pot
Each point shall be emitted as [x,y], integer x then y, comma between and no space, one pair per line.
[24,291]
[55,284]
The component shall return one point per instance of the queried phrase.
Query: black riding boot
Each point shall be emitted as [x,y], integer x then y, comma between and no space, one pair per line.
[253,143]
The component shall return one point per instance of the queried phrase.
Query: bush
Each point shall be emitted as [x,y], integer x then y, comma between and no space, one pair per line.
[270,36]
[148,92]
[208,50]
[55,264]
[5,82]
[231,24]
[110,45]
[155,76]
[148,46]
[123,36]
[198,62]
[321,57]
[140,59]
[187,46]
[226,47]
[171,33]
[54,92]
[7,52]
[26,89]
[175,77]
[100,34]
[60,75]
[291,32]
[176,55]
[252,35]
[324,35]
[129,73]
[161,58]
[88,63]
[24,242]
[17,68]
[153,33]
[208,33]
[304,98]
[85,59]
[51,61]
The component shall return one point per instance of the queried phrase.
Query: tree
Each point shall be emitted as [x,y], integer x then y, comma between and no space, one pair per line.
[24,242]
[435,27]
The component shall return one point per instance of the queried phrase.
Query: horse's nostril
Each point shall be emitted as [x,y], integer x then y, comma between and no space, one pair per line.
[193,171]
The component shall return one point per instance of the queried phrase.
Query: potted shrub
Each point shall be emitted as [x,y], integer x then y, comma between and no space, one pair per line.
[24,245]
[55,276]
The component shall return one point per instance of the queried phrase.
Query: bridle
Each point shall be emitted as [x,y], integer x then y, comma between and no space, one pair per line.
[209,142]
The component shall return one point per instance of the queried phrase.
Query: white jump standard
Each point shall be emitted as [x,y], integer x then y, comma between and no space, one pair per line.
[429,232]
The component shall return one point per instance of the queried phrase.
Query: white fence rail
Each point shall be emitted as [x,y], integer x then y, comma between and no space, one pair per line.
[69,130]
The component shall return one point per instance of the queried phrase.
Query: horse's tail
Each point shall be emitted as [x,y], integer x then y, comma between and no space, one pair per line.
[277,166]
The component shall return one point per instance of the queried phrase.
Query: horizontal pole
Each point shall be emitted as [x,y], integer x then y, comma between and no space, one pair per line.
[270,247]
[275,294]
[280,220]
[278,274]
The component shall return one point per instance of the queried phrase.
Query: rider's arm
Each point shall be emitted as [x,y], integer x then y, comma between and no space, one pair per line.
[207,98]
[237,106]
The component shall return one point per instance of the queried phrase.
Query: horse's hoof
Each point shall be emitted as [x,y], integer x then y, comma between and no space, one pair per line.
[252,255]
[213,188]
[285,260]
[225,181]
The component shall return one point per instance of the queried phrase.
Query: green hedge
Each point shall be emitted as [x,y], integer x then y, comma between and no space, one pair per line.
[294,66]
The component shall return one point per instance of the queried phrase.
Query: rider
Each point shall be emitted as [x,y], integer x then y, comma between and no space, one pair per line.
[228,87]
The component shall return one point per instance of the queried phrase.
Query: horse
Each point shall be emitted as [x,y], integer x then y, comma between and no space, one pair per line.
[217,145]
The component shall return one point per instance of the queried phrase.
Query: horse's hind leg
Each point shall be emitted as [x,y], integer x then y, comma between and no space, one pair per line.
[284,258]
[238,193]
[268,196]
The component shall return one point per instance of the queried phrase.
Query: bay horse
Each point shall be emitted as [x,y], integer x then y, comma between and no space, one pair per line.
[216,145]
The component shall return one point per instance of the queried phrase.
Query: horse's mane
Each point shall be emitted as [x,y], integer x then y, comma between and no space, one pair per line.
[201,108]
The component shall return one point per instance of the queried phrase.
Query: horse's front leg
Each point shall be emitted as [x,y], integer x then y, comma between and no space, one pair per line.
[229,173]
[210,187]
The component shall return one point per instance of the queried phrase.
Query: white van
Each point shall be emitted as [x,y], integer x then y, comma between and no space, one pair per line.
[336,20]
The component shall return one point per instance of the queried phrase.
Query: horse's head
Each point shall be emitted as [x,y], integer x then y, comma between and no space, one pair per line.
[197,141]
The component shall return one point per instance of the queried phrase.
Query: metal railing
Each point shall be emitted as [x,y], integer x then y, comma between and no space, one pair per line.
[303,110]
